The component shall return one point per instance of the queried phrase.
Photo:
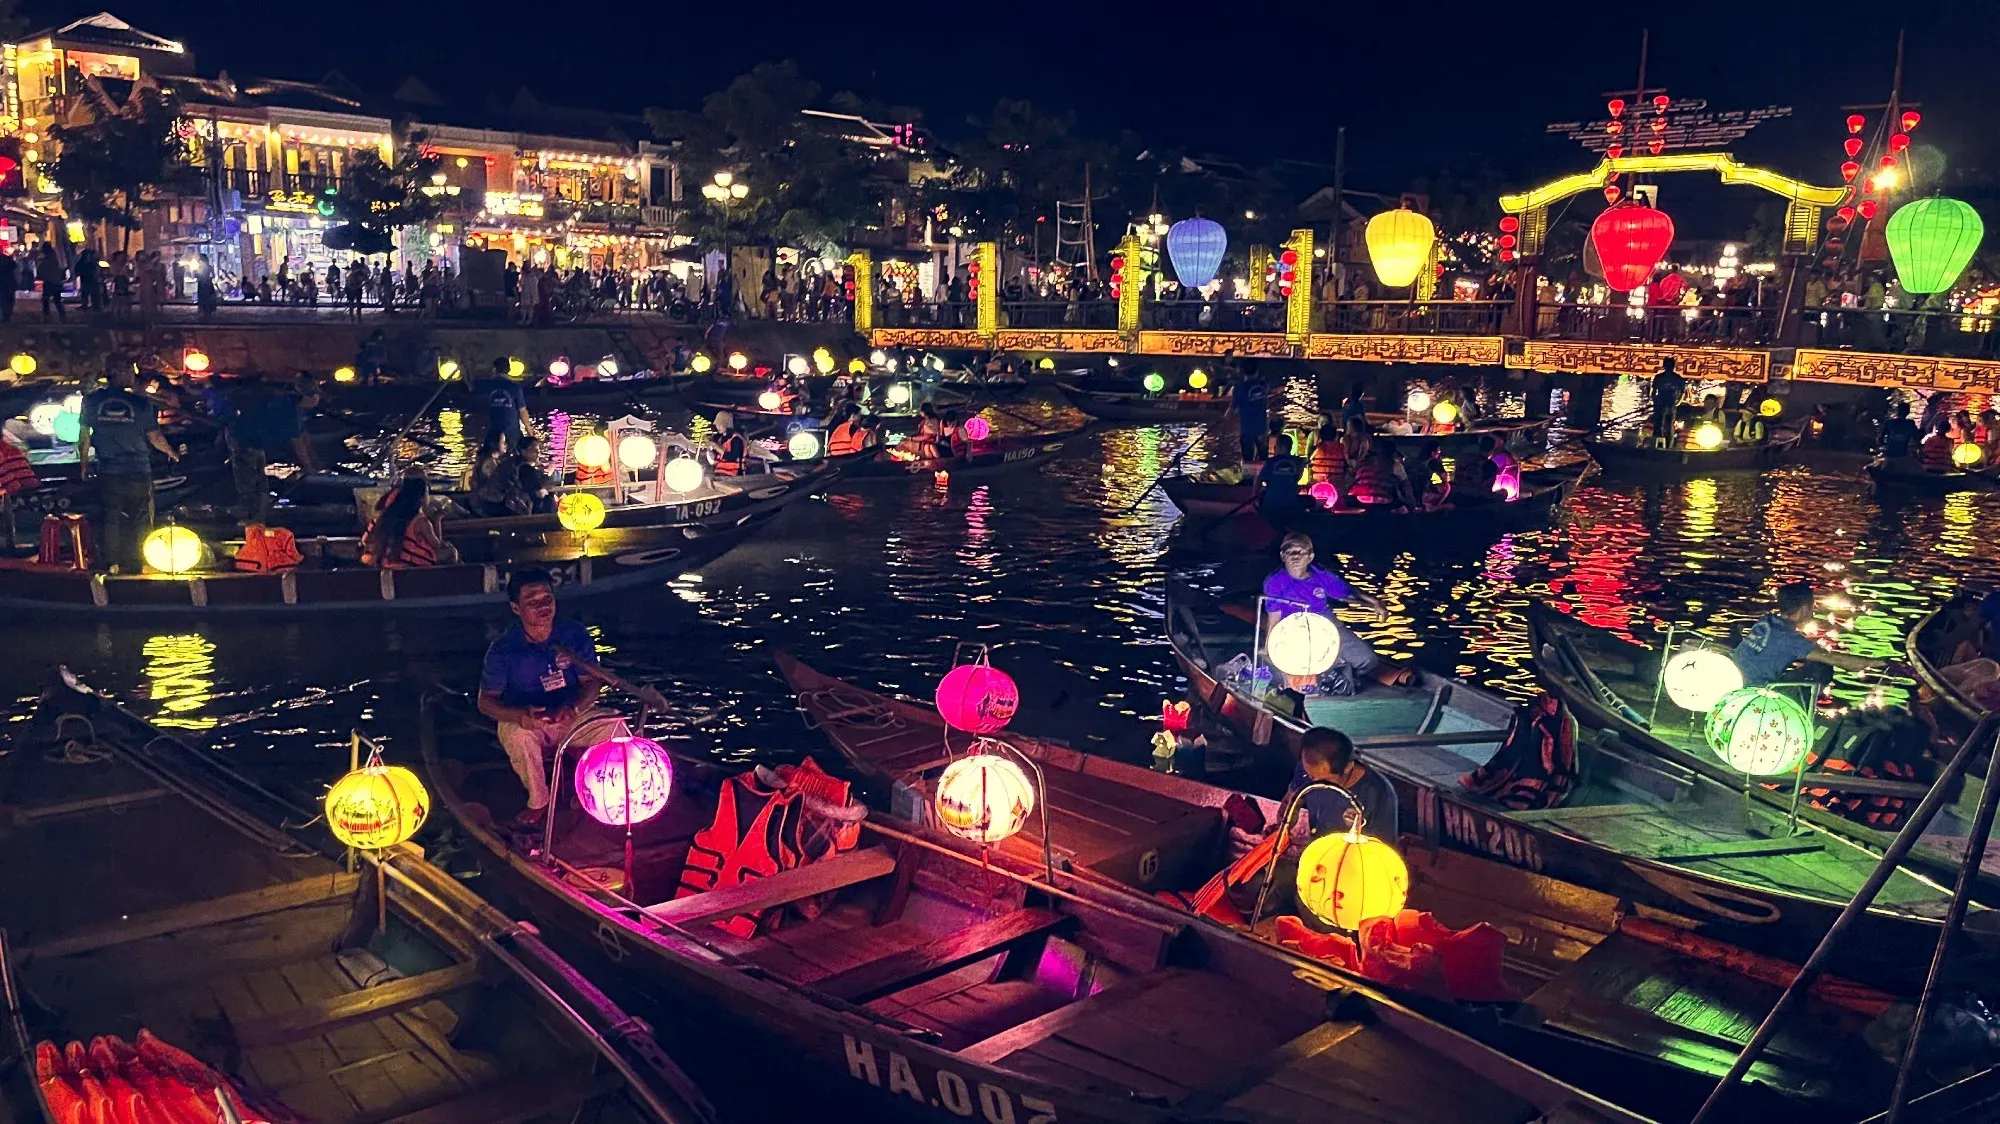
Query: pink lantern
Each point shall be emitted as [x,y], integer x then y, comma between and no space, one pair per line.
[1509,485]
[1324,494]
[977,698]
[624,781]
[977,429]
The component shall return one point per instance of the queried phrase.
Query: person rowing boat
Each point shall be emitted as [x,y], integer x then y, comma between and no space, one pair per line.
[1777,641]
[1298,586]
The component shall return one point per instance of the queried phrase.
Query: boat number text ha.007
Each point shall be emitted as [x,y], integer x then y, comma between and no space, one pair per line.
[945,1090]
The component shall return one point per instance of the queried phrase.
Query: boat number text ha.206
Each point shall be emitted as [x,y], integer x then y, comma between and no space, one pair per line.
[1483,834]
[945,1090]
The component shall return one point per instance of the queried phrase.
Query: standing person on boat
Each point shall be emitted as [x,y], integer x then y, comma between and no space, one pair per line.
[1248,399]
[120,428]
[732,449]
[1899,433]
[530,685]
[1776,641]
[1354,411]
[1668,387]
[1298,586]
[1278,483]
[1328,755]
[507,415]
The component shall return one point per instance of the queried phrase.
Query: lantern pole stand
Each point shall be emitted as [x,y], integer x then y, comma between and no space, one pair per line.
[1799,772]
[1042,804]
[1892,857]
[1660,680]
[649,698]
[1288,813]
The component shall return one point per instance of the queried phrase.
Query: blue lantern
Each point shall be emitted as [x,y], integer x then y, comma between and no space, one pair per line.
[1196,246]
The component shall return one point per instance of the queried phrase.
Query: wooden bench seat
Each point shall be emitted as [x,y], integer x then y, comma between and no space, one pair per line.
[355,1007]
[837,872]
[887,975]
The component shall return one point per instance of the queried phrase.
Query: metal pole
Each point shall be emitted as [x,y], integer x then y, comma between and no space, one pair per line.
[1660,681]
[1334,265]
[1286,814]
[1898,849]
[1954,919]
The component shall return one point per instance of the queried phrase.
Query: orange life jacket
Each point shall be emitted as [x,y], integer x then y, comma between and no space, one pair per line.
[267,550]
[586,475]
[1373,483]
[759,831]
[846,439]
[735,450]
[1937,453]
[416,552]
[1329,461]
[17,475]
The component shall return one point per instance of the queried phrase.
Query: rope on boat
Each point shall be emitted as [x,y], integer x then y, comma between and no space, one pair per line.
[75,748]
[847,705]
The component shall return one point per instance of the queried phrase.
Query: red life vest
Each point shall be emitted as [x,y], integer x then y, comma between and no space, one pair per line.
[416,551]
[1373,483]
[735,450]
[17,475]
[759,831]
[269,549]
[846,439]
[1937,453]
[1329,461]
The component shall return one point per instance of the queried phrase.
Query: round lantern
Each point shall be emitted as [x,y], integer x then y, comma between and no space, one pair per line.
[898,394]
[447,369]
[1508,486]
[1444,413]
[1399,244]
[984,797]
[701,364]
[977,698]
[1325,494]
[22,364]
[796,365]
[42,417]
[559,367]
[1759,731]
[68,426]
[593,450]
[978,429]
[516,369]
[196,360]
[822,360]
[803,445]
[1708,436]
[624,781]
[1198,379]
[1303,644]
[376,806]
[1770,407]
[857,365]
[1196,246]
[172,550]
[1418,402]
[580,512]
[684,474]
[1855,121]
[1630,240]
[1967,455]
[1931,240]
[770,400]
[608,367]
[343,374]
[1698,678]
[1155,382]
[637,451]
[1848,170]
[738,361]
[1347,877]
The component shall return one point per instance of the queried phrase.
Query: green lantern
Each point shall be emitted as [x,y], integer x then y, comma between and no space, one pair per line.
[1155,383]
[1931,240]
[1759,731]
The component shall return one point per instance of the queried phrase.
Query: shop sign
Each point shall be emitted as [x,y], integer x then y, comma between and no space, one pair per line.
[527,205]
[301,201]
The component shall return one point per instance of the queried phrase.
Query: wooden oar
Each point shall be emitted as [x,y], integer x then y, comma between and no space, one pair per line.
[1168,471]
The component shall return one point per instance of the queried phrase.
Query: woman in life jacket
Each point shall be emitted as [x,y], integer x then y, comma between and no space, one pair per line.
[1381,480]
[953,441]
[850,435]
[732,449]
[930,431]
[401,535]
[1937,447]
[1329,459]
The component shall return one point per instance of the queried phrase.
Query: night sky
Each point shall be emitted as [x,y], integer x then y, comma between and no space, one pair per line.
[1420,86]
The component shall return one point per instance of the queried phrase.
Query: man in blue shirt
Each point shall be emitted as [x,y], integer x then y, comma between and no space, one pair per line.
[532,685]
[1278,483]
[1775,642]
[506,405]
[1248,399]
[1899,433]
[1328,755]
[120,429]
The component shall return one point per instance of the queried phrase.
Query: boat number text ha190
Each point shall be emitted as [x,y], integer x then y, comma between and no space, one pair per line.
[887,1069]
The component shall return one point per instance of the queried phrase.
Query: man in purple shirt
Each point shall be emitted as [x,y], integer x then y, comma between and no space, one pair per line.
[1301,587]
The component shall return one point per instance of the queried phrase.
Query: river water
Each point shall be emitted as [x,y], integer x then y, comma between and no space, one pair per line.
[1060,571]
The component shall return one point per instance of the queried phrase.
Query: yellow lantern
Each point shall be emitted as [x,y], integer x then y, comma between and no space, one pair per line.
[1047,363]
[1708,435]
[1303,644]
[1399,246]
[196,360]
[343,374]
[581,512]
[1444,413]
[857,366]
[1347,877]
[1198,379]
[172,550]
[684,474]
[803,445]
[22,364]
[637,451]
[738,361]
[447,370]
[822,360]
[984,797]
[516,369]
[700,364]
[898,394]
[376,806]
[1967,455]
[770,400]
[593,450]
[1770,407]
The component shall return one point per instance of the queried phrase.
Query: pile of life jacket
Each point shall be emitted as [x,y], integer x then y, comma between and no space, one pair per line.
[267,550]
[762,826]
[1882,744]
[17,475]
[1535,766]
[112,1082]
[65,541]
[1412,951]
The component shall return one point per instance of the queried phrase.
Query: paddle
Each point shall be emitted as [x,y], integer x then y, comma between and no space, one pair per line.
[1168,471]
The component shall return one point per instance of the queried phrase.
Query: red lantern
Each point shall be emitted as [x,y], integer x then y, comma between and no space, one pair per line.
[1509,224]
[1835,245]
[1506,255]
[1654,146]
[1836,224]
[1289,257]
[1507,241]
[1899,142]
[1614,128]
[1868,208]
[1630,240]
[1849,170]
[1855,121]
[977,698]
[1886,162]
[1661,102]
[1669,288]
[1659,126]
[1846,214]
[1611,193]
[1853,146]
[1614,151]
[1616,106]
[1910,120]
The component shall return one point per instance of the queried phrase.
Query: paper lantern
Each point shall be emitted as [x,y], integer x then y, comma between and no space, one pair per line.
[803,445]
[1770,407]
[1931,240]
[978,429]
[977,698]
[1324,494]
[593,450]
[624,781]
[984,797]
[1759,731]
[637,451]
[770,400]
[822,360]
[516,369]
[878,357]
[1346,878]
[1154,382]
[1399,245]
[1867,207]
[1967,455]
[1708,435]
[607,367]
[684,474]
[1855,121]
[1047,364]
[22,364]
[68,426]
[42,417]
[898,394]
[1303,644]
[343,374]
[797,366]
[1419,401]
[172,549]
[1508,485]
[1910,120]
[1196,246]
[559,367]
[1444,413]
[580,512]
[1198,379]
[1698,678]
[1630,240]
[195,360]
[1848,170]
[447,369]
[377,806]
[701,364]
[738,361]
[857,365]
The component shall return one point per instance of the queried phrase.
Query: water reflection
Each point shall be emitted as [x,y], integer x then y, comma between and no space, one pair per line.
[180,676]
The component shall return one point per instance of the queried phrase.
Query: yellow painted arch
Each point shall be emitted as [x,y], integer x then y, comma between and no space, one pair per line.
[1720,163]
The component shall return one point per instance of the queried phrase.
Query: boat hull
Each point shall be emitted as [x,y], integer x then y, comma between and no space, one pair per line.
[1932,483]
[1615,456]
[1114,406]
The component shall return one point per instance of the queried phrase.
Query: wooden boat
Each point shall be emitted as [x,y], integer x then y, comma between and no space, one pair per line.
[1606,1001]
[1619,456]
[592,394]
[719,502]
[1131,406]
[1931,483]
[1002,454]
[333,579]
[932,985]
[1214,499]
[1512,433]
[1954,711]
[1608,683]
[1345,529]
[142,901]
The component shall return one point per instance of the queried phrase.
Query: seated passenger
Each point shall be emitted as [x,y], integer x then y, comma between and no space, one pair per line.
[402,536]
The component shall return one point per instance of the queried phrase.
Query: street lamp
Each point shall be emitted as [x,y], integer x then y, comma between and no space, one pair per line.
[725,192]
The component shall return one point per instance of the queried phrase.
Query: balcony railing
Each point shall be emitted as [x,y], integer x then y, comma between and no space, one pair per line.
[1414,318]
[1902,331]
[1059,314]
[1213,316]
[1690,325]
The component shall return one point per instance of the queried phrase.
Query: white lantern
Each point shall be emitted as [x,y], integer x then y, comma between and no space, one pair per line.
[1419,401]
[593,450]
[898,394]
[797,365]
[770,400]
[684,474]
[637,451]
[42,417]
[804,445]
[878,357]
[1304,644]
[984,797]
[1697,678]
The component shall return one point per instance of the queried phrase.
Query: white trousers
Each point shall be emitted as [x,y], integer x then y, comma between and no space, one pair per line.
[528,750]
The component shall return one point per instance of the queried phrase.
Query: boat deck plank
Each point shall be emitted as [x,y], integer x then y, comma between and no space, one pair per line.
[1377,1077]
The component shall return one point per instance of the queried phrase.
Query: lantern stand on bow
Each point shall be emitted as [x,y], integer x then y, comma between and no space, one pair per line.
[373,808]
[1787,730]
[650,702]
[1393,895]
[972,671]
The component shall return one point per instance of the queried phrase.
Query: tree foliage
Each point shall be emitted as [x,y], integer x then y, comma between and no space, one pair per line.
[124,160]
[377,198]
